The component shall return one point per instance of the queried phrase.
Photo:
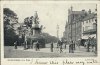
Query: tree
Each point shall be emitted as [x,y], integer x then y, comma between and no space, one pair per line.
[49,38]
[28,21]
[9,35]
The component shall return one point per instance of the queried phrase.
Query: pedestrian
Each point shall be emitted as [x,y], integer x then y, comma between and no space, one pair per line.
[85,44]
[65,45]
[32,44]
[61,47]
[71,49]
[92,43]
[88,45]
[15,44]
[52,47]
[79,43]
[58,44]
[69,46]
[73,45]
[38,46]
[25,47]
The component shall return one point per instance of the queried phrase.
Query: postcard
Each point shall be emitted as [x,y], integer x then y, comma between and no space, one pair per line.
[50,32]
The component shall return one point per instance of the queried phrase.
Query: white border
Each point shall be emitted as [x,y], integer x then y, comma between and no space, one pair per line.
[4,61]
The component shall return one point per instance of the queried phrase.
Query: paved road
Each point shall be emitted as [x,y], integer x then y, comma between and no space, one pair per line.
[10,52]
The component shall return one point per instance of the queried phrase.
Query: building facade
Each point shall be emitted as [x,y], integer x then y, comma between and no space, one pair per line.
[89,25]
[77,28]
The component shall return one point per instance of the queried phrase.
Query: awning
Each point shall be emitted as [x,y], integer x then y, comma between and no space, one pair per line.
[87,36]
[84,37]
[91,31]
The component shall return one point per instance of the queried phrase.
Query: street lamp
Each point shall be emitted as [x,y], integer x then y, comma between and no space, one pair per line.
[57,35]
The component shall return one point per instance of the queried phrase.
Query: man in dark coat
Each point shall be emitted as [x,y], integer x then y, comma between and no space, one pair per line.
[52,47]
[61,43]
[15,44]
[88,45]
[37,46]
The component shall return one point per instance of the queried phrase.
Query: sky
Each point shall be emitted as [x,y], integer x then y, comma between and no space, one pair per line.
[50,14]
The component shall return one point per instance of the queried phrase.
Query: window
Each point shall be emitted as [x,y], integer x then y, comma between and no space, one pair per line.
[86,28]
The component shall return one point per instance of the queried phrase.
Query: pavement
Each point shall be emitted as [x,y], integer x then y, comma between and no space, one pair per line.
[10,52]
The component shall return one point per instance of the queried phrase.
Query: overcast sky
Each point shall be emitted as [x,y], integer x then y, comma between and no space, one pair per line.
[50,14]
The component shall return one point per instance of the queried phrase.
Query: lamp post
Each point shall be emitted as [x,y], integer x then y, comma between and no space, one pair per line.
[57,34]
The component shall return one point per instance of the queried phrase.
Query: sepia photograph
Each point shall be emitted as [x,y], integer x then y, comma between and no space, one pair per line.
[50,30]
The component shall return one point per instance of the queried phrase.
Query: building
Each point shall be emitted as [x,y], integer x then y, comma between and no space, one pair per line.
[76,27]
[65,33]
[73,26]
[89,25]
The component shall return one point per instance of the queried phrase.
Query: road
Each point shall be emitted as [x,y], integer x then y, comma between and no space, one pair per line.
[10,52]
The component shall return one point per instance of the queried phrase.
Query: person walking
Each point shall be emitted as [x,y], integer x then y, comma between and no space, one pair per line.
[88,45]
[92,44]
[61,47]
[35,45]
[52,47]
[69,46]
[25,43]
[31,44]
[38,46]
[71,49]
[15,44]
[65,45]
[73,45]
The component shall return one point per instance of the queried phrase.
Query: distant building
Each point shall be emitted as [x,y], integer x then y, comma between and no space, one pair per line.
[66,32]
[79,24]
[73,27]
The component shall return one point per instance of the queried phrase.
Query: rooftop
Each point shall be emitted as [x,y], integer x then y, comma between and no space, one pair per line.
[89,16]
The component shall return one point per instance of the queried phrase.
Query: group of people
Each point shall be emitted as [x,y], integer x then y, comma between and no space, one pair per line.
[26,45]
[71,47]
[90,42]
[30,45]
[58,46]
[61,45]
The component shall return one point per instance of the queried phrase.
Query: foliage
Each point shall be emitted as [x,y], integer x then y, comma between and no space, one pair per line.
[49,38]
[9,12]
[9,35]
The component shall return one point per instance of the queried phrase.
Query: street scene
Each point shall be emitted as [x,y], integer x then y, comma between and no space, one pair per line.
[50,30]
